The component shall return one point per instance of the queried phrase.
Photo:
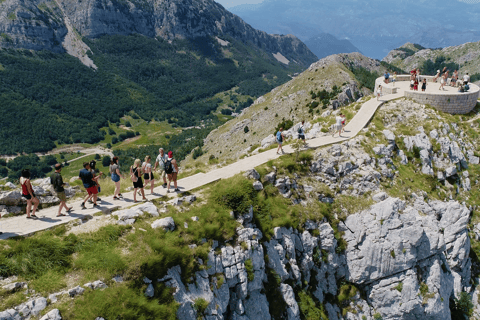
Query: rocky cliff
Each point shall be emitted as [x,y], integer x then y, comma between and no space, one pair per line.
[42,24]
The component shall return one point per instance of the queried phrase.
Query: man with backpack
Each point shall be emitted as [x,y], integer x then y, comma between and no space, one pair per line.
[160,162]
[57,182]
[280,138]
[301,132]
[171,169]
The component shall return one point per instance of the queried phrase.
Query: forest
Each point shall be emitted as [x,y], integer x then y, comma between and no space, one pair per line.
[48,97]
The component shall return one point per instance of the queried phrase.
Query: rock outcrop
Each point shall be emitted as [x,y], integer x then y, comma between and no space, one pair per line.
[59,25]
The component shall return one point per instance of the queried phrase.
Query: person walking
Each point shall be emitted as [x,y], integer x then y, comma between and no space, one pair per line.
[89,183]
[279,138]
[387,77]
[394,80]
[443,80]
[379,92]
[58,185]
[136,177]
[338,125]
[424,85]
[436,76]
[344,119]
[114,169]
[148,174]
[301,132]
[95,173]
[28,194]
[160,162]
[171,168]
[466,79]
[453,82]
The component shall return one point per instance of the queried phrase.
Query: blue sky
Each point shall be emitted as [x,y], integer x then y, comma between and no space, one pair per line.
[233,3]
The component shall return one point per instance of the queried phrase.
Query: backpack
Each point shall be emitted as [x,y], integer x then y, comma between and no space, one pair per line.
[168,167]
[279,136]
[299,130]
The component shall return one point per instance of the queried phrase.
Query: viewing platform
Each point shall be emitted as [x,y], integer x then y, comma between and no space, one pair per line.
[448,100]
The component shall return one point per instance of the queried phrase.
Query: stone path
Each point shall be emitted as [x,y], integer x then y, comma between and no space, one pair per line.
[20,226]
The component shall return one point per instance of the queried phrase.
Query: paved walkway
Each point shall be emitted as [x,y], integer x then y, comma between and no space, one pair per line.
[20,226]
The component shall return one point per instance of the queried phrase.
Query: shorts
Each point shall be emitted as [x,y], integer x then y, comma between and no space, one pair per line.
[115,177]
[279,142]
[301,136]
[172,176]
[61,195]
[27,196]
[138,184]
[148,176]
[337,127]
[442,81]
[92,190]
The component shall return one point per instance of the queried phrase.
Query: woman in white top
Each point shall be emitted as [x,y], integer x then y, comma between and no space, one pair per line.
[148,173]
[338,125]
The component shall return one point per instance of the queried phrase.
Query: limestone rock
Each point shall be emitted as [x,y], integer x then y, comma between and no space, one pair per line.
[257,185]
[150,292]
[268,141]
[165,223]
[10,185]
[52,315]
[252,174]
[293,311]
[76,291]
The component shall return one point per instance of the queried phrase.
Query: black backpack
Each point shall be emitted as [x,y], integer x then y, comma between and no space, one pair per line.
[168,167]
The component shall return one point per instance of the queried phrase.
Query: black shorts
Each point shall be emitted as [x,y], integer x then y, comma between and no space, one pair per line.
[27,196]
[148,176]
[301,136]
[138,184]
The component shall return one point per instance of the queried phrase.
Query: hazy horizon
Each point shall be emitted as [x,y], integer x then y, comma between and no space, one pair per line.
[233,3]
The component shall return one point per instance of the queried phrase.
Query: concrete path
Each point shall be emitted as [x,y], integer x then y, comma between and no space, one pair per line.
[20,226]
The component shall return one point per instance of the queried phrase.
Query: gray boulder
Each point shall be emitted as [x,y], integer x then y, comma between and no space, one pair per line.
[76,291]
[268,141]
[293,311]
[165,223]
[52,315]
[252,174]
[150,292]
[257,185]
[10,185]
[11,198]
[451,171]
[389,135]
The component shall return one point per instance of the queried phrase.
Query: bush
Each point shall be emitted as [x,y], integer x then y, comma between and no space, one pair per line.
[226,112]
[114,140]
[237,195]
[3,162]
[106,161]
[285,124]
[3,172]
[246,129]
[111,132]
[128,124]
[97,156]
[50,160]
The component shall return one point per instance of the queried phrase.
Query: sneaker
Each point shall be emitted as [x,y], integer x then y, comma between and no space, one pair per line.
[90,201]
[120,195]
[82,206]
[98,199]
[177,190]
[116,198]
[164,185]
[96,205]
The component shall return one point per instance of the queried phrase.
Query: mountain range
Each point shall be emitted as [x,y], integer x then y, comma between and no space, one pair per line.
[80,66]
[375,27]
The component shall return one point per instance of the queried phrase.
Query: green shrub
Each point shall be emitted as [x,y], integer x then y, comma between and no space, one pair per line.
[200,306]
[399,286]
[309,308]
[236,194]
[377,316]
[249,269]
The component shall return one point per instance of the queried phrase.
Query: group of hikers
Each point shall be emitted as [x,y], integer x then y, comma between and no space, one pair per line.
[166,164]
[415,80]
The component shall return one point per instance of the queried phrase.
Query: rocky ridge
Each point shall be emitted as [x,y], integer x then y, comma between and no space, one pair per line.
[290,101]
[59,25]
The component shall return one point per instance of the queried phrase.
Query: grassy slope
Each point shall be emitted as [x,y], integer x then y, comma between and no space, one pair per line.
[288,101]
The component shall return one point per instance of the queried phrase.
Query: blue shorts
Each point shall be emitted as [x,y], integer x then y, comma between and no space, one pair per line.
[115,177]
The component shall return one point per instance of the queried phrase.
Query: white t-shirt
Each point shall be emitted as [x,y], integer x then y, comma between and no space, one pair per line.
[339,120]
[146,165]
[161,160]
[466,78]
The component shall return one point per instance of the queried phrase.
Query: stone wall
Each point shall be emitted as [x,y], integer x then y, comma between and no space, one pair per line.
[454,103]
[450,102]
